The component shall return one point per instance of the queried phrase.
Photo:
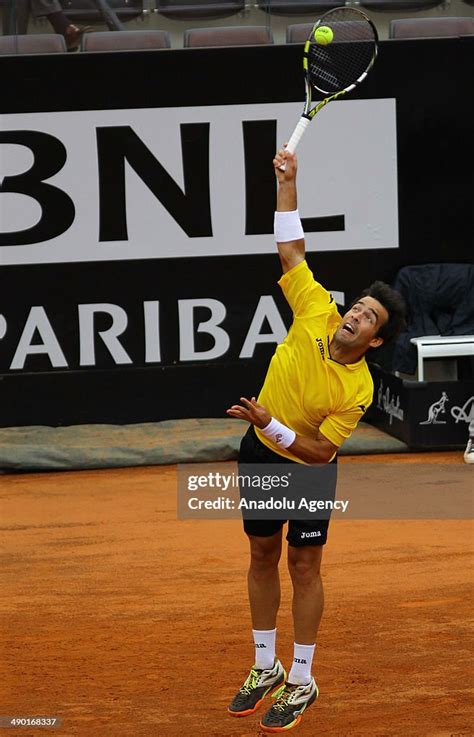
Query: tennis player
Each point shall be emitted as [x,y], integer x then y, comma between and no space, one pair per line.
[316,389]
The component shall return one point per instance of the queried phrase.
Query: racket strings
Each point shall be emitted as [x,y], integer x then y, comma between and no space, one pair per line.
[342,62]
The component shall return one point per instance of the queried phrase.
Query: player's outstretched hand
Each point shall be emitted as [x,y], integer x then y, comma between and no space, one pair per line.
[251,411]
[291,164]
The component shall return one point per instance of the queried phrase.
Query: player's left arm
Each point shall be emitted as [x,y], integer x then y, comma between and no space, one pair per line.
[309,450]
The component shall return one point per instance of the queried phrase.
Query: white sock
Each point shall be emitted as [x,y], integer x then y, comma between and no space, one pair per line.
[264,647]
[300,672]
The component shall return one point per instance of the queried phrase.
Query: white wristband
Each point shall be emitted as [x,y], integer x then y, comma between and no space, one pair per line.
[288,226]
[279,433]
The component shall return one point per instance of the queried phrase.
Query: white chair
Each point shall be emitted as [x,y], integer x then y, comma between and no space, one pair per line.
[441,346]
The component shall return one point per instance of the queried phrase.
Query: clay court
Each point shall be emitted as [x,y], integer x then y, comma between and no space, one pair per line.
[122,620]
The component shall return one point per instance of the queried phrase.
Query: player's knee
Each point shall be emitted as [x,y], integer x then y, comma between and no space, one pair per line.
[264,554]
[304,568]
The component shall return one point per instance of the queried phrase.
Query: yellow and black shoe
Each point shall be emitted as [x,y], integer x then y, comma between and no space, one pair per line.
[256,686]
[290,703]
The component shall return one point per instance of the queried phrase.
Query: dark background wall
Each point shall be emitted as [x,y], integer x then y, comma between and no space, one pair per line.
[434,119]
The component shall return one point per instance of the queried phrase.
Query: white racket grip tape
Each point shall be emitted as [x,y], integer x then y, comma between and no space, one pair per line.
[296,137]
[297,134]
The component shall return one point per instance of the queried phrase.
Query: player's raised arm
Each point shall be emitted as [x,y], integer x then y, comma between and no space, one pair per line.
[288,231]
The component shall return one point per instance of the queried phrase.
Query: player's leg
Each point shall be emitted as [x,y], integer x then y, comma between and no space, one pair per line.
[264,579]
[469,452]
[304,565]
[265,538]
[267,673]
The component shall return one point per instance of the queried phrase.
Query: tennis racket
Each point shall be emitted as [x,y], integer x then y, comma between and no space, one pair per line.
[340,51]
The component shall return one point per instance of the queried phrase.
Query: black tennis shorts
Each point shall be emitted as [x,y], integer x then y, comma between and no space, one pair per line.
[300,532]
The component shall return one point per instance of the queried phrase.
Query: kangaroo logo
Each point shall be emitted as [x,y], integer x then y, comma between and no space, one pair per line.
[436,409]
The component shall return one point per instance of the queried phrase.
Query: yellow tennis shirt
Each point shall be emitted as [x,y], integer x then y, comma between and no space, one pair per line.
[304,388]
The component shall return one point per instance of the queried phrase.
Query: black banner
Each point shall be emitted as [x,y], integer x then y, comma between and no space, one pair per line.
[151,339]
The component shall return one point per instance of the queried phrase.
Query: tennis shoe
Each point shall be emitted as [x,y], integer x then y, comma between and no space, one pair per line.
[469,452]
[256,686]
[290,702]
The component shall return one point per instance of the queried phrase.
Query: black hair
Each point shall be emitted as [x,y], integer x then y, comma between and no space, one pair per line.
[393,303]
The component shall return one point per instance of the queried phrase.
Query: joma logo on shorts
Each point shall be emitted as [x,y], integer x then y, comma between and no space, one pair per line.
[300,660]
[311,534]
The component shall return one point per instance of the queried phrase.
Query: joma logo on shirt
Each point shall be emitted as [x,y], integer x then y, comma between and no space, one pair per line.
[320,343]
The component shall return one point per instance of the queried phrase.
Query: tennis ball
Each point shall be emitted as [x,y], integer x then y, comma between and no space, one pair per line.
[323,35]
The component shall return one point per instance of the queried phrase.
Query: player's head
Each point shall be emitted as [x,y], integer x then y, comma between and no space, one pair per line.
[375,317]
[394,305]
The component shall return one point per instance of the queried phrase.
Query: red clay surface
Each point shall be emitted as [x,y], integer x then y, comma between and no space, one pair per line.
[122,620]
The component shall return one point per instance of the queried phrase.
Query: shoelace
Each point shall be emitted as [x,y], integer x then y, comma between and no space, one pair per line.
[250,683]
[282,697]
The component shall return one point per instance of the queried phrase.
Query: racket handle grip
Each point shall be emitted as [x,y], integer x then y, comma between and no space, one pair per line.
[296,137]
[297,134]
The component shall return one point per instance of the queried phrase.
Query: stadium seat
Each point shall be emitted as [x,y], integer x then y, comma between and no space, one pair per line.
[430,27]
[125,41]
[109,11]
[228,36]
[35,43]
[198,9]
[389,5]
[298,33]
[298,7]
